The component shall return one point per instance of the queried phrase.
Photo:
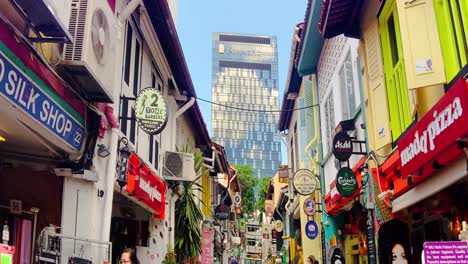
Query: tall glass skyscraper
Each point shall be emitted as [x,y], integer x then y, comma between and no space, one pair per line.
[245,78]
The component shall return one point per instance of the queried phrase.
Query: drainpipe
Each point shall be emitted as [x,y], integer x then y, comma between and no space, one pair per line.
[179,112]
[173,196]
[109,182]
[316,131]
[128,10]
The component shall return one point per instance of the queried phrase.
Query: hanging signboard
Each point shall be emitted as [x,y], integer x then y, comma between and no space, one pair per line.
[342,146]
[222,212]
[278,226]
[346,182]
[237,199]
[311,229]
[304,182]
[151,111]
[242,225]
[206,247]
[283,175]
[269,208]
[309,206]
[371,250]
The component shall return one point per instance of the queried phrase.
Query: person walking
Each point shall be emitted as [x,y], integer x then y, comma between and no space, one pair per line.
[129,257]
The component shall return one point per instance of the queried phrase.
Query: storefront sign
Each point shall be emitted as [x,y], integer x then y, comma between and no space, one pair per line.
[28,93]
[206,248]
[283,175]
[269,208]
[346,182]
[151,111]
[371,252]
[446,252]
[242,225]
[222,212]
[311,229]
[437,130]
[309,206]
[342,146]
[304,182]
[278,226]
[145,186]
[237,199]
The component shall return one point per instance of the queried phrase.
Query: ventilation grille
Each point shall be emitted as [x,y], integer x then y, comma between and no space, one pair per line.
[76,27]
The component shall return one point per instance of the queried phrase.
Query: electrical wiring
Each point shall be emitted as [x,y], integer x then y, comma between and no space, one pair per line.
[252,110]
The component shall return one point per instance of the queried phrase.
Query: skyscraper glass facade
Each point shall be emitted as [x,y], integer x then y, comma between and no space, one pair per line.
[245,79]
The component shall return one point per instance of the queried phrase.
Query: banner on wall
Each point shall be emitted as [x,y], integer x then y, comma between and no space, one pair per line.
[394,244]
[206,249]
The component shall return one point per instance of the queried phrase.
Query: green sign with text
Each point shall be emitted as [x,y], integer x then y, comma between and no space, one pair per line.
[346,182]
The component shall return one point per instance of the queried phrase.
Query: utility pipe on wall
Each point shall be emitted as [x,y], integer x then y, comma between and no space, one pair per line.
[109,183]
[128,10]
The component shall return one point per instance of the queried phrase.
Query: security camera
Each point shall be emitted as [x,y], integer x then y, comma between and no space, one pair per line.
[383,195]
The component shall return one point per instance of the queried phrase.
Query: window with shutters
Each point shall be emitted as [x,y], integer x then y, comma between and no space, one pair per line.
[452,23]
[348,94]
[156,82]
[394,69]
[131,84]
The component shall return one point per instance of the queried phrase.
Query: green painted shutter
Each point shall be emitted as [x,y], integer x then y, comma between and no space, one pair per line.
[399,106]
[452,23]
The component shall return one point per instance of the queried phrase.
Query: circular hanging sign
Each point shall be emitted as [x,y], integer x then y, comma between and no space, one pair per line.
[151,111]
[342,146]
[346,182]
[304,182]
[237,199]
[309,206]
[278,226]
[311,229]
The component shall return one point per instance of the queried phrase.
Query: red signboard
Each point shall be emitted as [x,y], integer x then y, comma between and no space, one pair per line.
[146,186]
[437,130]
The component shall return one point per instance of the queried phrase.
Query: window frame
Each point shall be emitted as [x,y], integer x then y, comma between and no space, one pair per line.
[398,96]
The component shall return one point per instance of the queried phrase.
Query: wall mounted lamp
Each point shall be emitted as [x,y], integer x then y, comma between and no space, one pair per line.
[103,151]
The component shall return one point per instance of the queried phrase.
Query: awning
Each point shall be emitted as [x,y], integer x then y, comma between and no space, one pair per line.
[340,17]
[434,184]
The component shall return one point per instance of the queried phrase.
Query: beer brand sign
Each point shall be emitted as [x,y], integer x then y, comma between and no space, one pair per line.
[342,146]
[346,182]
[437,130]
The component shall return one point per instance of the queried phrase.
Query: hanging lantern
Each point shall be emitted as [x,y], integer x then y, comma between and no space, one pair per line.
[124,156]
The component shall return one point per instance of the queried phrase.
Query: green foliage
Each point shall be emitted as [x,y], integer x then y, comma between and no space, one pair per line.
[170,257]
[188,236]
[262,192]
[247,182]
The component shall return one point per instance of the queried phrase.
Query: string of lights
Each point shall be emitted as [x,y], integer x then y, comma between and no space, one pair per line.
[254,110]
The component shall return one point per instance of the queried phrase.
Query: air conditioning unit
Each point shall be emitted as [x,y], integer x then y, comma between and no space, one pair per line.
[179,166]
[88,63]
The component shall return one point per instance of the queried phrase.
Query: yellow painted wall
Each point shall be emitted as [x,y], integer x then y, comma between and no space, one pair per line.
[206,194]
[309,246]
